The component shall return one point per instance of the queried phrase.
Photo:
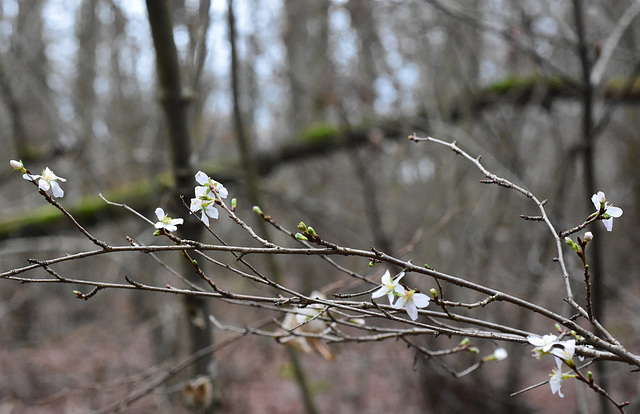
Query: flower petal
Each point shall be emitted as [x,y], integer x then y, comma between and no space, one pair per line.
[421,300]
[380,292]
[535,340]
[201,191]
[386,278]
[202,178]
[159,213]
[399,303]
[599,200]
[222,191]
[204,218]
[614,211]
[57,191]
[196,205]
[412,311]
[542,341]
[391,298]
[211,211]
[43,184]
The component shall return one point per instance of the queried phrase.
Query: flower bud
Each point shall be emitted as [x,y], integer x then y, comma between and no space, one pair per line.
[588,236]
[17,165]
[257,210]
[299,236]
[433,292]
[500,354]
[572,244]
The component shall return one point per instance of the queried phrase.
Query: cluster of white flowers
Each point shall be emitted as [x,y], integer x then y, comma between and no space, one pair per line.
[206,194]
[204,201]
[407,299]
[562,351]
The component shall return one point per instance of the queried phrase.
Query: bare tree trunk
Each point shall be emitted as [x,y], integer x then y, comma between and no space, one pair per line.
[588,134]
[87,34]
[252,178]
[19,136]
[28,47]
[306,39]
[175,106]
[362,20]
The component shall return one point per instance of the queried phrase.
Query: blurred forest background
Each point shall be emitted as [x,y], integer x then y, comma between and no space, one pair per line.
[316,99]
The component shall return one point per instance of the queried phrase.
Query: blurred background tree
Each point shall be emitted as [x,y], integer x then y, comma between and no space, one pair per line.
[547,92]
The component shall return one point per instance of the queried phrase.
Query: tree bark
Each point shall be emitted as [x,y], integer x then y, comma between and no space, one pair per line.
[175,106]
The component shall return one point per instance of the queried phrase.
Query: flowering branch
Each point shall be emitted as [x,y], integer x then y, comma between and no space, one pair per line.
[49,180]
[605,212]
[310,322]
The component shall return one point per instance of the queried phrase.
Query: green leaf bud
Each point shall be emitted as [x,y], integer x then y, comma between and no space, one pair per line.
[572,244]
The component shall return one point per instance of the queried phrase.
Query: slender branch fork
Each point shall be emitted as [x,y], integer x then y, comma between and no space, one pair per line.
[337,313]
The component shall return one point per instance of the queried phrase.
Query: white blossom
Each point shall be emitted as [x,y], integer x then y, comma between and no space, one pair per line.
[564,350]
[391,288]
[610,212]
[556,379]
[543,344]
[47,180]
[206,204]
[411,301]
[166,222]
[211,184]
